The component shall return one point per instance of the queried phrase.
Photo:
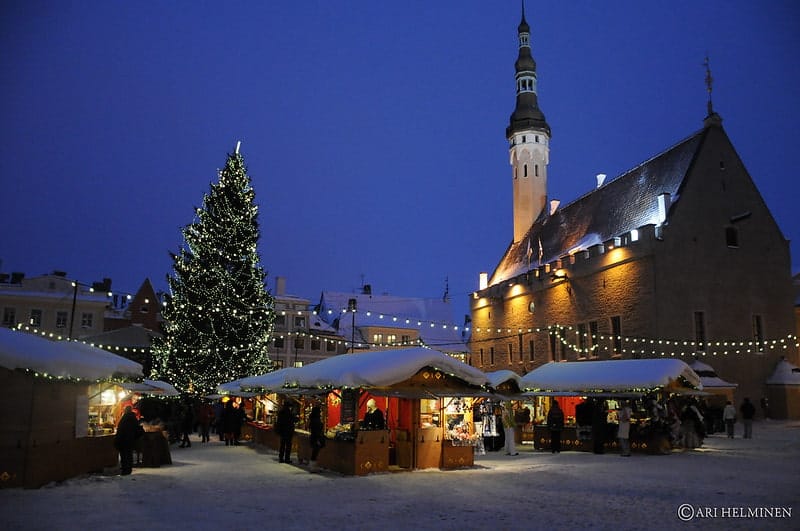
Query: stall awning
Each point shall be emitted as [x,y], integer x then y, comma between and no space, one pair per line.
[618,376]
[63,359]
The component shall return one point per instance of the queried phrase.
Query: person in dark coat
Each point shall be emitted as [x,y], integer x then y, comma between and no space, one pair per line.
[555,422]
[241,417]
[228,422]
[316,437]
[748,411]
[187,424]
[128,432]
[599,421]
[373,418]
[284,426]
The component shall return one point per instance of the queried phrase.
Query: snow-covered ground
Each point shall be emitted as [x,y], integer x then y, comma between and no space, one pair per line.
[216,487]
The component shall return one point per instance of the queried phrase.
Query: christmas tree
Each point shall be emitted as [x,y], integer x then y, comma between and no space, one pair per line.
[218,315]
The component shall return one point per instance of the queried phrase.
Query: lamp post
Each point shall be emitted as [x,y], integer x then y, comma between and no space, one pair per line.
[351,307]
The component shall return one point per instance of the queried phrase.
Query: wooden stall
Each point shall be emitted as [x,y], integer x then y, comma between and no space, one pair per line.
[603,385]
[411,388]
[45,392]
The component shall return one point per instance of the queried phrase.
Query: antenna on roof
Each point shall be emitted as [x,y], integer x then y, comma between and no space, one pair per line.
[446,296]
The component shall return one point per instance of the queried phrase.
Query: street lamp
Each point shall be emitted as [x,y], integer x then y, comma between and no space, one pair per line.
[351,307]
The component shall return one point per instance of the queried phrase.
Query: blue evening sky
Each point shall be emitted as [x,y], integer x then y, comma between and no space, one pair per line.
[374,132]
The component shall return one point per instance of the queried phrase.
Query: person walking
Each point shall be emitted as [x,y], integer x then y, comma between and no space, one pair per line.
[555,423]
[128,432]
[729,417]
[624,430]
[316,436]
[284,426]
[748,411]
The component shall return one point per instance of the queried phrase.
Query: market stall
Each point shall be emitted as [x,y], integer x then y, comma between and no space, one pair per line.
[47,391]
[599,387]
[717,393]
[783,391]
[152,449]
[417,391]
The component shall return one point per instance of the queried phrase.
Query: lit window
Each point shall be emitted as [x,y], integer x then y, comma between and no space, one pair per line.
[635,235]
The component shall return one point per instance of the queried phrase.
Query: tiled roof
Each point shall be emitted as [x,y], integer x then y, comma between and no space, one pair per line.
[615,208]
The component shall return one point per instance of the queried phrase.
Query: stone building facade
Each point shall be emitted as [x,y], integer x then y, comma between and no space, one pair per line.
[677,257]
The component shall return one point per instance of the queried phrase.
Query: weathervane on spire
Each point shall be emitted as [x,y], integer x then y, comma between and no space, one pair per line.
[709,81]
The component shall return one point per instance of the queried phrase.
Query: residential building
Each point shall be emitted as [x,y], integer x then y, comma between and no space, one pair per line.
[54,304]
[370,321]
[300,336]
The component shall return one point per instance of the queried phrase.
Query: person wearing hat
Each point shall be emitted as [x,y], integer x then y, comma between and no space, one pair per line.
[373,419]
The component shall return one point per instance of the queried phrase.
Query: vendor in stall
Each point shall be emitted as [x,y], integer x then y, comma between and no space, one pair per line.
[373,419]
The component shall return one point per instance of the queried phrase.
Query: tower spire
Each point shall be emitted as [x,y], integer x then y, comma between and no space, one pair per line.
[712,118]
[528,137]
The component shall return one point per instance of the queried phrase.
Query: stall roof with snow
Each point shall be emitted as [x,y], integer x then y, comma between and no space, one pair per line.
[413,372]
[620,376]
[785,373]
[708,376]
[63,359]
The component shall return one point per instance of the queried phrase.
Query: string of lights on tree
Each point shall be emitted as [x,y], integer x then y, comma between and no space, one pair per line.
[218,317]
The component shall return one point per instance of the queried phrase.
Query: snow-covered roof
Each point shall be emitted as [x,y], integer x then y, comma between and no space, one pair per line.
[785,374]
[497,378]
[271,381]
[708,376]
[151,387]
[432,318]
[62,359]
[610,375]
[618,206]
[367,370]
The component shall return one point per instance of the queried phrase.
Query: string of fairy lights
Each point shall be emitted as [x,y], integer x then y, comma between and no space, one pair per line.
[643,346]
[600,343]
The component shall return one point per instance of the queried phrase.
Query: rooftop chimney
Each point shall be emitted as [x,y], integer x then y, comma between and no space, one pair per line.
[554,206]
[280,286]
[601,178]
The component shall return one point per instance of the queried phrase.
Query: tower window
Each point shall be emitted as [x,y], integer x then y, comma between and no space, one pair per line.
[536,170]
[732,237]
[523,139]
[536,139]
[524,170]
